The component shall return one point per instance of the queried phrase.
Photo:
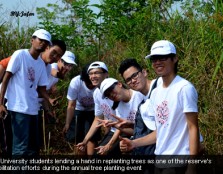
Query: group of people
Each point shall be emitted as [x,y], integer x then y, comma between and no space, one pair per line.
[142,116]
[26,78]
[139,117]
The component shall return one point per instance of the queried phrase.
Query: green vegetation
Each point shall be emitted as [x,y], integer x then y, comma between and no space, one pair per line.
[128,29]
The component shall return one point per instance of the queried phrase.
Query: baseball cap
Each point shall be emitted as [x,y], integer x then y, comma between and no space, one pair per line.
[69,57]
[162,47]
[97,64]
[43,34]
[106,83]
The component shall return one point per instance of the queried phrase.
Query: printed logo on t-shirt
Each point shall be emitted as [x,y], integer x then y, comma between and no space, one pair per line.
[87,101]
[131,116]
[163,113]
[31,75]
[107,111]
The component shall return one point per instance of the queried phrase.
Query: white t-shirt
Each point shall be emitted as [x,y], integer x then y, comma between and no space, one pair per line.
[169,106]
[78,91]
[28,73]
[127,110]
[52,80]
[149,120]
[103,107]
[48,70]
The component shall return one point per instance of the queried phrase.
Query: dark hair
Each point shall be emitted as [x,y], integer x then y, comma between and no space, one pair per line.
[127,63]
[176,64]
[60,44]
[84,74]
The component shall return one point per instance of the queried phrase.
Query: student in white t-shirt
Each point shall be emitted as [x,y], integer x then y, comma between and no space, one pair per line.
[98,71]
[136,78]
[60,69]
[63,63]
[174,105]
[51,54]
[80,110]
[128,102]
[25,75]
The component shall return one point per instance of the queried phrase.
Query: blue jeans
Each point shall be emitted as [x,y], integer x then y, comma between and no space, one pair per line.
[25,135]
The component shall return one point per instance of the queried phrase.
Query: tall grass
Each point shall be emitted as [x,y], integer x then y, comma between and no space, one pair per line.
[197,35]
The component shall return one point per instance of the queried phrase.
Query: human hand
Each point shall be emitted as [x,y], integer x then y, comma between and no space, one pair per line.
[54,101]
[81,146]
[3,111]
[104,123]
[62,72]
[65,129]
[121,123]
[103,150]
[126,144]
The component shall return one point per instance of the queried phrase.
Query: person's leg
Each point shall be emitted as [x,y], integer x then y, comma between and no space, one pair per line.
[8,133]
[23,128]
[34,144]
[2,137]
[20,129]
[89,118]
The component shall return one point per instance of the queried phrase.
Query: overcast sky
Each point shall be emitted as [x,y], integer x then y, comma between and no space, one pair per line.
[27,7]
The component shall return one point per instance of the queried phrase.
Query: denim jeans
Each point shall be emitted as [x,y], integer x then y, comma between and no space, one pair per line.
[25,135]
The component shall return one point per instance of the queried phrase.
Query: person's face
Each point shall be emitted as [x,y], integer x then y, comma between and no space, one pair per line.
[163,66]
[39,44]
[97,76]
[64,67]
[114,92]
[54,54]
[135,79]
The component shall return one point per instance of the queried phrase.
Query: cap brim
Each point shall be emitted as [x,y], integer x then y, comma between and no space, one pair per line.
[70,62]
[44,39]
[148,56]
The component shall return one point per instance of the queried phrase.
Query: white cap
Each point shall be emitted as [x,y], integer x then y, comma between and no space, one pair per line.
[69,57]
[97,64]
[106,83]
[43,34]
[162,47]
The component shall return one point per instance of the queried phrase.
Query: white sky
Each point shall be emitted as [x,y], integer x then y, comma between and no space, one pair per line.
[27,6]
[8,6]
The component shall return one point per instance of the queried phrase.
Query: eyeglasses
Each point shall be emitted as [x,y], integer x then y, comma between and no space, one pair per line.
[133,76]
[160,58]
[95,73]
[69,65]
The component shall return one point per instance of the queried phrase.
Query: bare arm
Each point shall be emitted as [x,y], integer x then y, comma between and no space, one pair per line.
[5,82]
[43,94]
[127,145]
[192,121]
[70,114]
[102,150]
[54,72]
[2,71]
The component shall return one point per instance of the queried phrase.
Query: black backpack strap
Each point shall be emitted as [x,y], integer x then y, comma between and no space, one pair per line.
[153,87]
[115,105]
